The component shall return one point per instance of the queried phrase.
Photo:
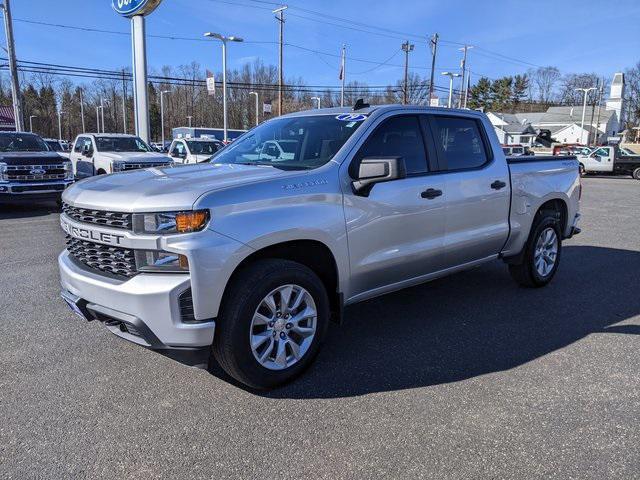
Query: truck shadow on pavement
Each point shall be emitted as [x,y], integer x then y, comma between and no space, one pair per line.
[471,324]
[10,211]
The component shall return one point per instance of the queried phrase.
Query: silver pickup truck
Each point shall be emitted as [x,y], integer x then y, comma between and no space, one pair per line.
[249,257]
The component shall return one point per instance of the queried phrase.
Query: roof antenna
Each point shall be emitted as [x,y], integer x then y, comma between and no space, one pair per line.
[360,105]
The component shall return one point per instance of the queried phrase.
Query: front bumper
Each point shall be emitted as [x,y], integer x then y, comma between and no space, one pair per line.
[40,189]
[143,309]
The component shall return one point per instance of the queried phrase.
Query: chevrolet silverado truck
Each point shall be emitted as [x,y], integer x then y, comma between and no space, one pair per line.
[98,154]
[29,170]
[248,258]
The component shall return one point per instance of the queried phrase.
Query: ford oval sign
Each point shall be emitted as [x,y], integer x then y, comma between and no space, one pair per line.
[131,8]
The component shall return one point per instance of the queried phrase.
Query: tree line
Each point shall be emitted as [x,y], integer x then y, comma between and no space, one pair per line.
[186,100]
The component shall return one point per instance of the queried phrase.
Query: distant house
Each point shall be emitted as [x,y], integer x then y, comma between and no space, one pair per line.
[511,129]
[7,119]
[564,122]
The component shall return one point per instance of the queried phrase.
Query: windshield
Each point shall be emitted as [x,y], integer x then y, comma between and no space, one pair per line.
[55,146]
[121,144]
[22,143]
[202,148]
[293,143]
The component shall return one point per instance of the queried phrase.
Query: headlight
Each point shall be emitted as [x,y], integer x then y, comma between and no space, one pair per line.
[170,222]
[160,261]
[117,166]
[68,170]
[3,172]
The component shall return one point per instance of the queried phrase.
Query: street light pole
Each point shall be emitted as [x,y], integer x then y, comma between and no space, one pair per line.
[162,92]
[317,99]
[585,91]
[82,109]
[60,112]
[406,48]
[224,39]
[189,117]
[280,18]
[257,110]
[98,118]
[31,117]
[451,76]
[102,113]
[343,74]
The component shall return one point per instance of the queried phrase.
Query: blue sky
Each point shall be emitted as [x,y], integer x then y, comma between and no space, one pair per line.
[576,36]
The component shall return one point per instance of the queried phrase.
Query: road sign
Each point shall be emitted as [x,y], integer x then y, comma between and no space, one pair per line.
[130,8]
[211,83]
[266,108]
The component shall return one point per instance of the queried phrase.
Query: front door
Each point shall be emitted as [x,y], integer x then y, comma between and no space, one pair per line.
[600,160]
[396,232]
[81,159]
[477,186]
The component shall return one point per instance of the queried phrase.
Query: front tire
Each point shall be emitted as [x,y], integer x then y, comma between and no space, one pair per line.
[636,173]
[542,253]
[273,320]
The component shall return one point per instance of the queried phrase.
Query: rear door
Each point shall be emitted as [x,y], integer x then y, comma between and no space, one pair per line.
[396,232]
[477,186]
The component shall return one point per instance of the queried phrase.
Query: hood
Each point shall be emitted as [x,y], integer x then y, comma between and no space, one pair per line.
[134,157]
[164,189]
[31,158]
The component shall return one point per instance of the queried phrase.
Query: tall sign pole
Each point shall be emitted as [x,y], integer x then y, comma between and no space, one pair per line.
[13,68]
[136,10]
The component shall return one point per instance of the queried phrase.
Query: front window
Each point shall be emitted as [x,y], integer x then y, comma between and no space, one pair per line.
[54,146]
[296,143]
[121,144]
[17,142]
[202,148]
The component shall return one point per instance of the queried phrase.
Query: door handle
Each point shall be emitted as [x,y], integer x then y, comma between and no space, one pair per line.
[498,184]
[431,193]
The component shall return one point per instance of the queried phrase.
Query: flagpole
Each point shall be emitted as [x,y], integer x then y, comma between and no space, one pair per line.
[342,75]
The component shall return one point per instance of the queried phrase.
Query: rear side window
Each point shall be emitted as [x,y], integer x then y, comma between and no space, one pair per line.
[398,137]
[459,142]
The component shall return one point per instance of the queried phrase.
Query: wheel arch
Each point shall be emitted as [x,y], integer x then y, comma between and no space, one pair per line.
[313,254]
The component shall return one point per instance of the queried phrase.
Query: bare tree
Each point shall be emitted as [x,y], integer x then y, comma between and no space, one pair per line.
[546,79]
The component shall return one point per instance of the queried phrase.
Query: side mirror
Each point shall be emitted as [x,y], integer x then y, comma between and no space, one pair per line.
[374,170]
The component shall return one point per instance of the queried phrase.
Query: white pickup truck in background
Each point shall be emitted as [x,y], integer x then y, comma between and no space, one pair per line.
[101,153]
[194,150]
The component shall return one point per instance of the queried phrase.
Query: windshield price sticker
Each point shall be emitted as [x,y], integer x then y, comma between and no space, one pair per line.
[351,117]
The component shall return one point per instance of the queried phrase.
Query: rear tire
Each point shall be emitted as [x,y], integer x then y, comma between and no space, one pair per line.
[258,340]
[636,173]
[542,252]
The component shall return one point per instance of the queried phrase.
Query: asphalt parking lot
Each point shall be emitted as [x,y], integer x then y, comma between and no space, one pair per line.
[466,377]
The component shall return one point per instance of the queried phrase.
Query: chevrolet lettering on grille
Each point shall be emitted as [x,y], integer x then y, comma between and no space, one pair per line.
[91,235]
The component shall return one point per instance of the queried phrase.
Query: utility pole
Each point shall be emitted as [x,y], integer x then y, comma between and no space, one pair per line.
[124,102]
[406,48]
[343,73]
[280,18]
[81,109]
[257,108]
[585,91]
[13,67]
[463,66]
[434,50]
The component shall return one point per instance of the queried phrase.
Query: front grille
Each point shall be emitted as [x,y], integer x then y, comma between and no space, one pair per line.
[137,166]
[29,173]
[105,258]
[98,217]
[185,302]
[47,187]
